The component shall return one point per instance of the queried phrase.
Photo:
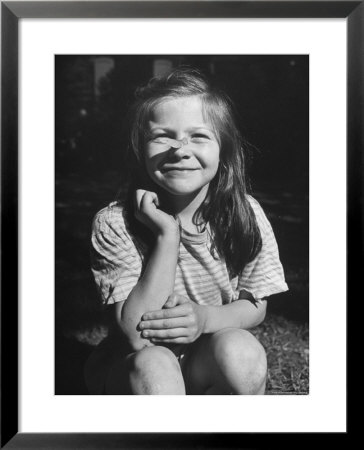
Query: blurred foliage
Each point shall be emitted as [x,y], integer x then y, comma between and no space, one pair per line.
[270,94]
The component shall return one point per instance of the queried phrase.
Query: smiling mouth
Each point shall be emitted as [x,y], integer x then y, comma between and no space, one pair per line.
[178,169]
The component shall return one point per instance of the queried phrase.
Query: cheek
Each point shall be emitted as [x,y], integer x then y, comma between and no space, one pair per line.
[215,159]
[148,163]
[149,157]
[147,153]
[150,168]
[152,157]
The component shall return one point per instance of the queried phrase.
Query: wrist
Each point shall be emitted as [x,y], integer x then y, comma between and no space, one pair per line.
[211,319]
[203,315]
[171,235]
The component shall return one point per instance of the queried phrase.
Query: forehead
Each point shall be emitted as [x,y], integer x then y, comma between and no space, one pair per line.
[186,109]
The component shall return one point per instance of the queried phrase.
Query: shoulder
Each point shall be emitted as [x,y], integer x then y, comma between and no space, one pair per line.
[255,205]
[111,220]
[111,227]
[260,216]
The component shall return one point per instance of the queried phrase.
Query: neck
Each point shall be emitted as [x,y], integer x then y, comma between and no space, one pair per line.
[186,206]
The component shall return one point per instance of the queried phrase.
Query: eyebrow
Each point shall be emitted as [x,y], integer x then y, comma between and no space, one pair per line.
[199,127]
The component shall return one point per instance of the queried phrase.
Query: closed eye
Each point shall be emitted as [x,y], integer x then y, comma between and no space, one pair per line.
[199,137]
[160,137]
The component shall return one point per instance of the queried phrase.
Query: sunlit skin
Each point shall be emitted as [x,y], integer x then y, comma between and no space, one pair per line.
[184,172]
[182,157]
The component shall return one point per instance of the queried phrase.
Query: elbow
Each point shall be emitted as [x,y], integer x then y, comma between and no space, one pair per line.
[132,334]
[259,315]
[133,337]
[139,344]
[262,311]
[260,318]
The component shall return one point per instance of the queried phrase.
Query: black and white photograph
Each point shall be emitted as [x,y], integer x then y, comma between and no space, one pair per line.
[182,224]
[180,210]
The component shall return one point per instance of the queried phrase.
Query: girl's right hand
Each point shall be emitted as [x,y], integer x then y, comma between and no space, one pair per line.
[147,212]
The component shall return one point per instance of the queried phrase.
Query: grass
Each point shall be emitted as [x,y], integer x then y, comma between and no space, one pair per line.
[284,333]
[286,344]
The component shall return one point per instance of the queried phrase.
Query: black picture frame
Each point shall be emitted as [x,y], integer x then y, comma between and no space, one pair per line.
[11,12]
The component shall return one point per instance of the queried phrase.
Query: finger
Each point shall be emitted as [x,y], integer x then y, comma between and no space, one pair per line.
[139,194]
[179,340]
[181,299]
[177,311]
[148,201]
[164,324]
[172,301]
[165,334]
[155,199]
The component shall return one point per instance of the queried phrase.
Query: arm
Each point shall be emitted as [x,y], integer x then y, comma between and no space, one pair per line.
[184,321]
[157,282]
[263,276]
[239,314]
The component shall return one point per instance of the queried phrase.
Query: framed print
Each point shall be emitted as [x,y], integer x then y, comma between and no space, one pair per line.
[295,72]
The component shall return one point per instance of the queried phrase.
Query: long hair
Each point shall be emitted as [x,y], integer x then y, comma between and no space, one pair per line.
[234,231]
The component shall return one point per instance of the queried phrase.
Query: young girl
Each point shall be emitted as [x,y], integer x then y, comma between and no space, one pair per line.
[187,261]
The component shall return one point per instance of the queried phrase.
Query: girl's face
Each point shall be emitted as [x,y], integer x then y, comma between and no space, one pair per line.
[182,151]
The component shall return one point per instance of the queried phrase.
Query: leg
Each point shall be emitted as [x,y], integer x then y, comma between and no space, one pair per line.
[231,361]
[151,371]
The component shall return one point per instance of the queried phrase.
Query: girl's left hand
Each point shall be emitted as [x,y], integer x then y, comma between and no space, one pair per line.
[180,322]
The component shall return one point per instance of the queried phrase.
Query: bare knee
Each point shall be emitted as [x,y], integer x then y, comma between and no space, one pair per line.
[241,356]
[155,370]
[151,359]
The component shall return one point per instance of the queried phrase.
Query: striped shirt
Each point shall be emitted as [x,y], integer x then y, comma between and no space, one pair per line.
[117,263]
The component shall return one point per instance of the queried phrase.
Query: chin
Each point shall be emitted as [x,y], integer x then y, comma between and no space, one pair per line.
[180,191]
[175,186]
[181,188]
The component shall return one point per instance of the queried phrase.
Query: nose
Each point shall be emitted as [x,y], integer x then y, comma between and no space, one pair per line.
[178,143]
[179,148]
[179,153]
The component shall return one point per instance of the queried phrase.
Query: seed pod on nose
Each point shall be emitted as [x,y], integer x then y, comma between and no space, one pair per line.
[178,143]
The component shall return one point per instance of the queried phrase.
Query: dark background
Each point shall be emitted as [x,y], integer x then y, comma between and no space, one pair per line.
[93,93]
